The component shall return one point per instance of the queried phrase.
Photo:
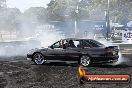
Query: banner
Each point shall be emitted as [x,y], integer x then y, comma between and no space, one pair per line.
[127,36]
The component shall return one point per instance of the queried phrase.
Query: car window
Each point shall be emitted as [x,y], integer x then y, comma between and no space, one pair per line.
[57,45]
[84,44]
[73,43]
[76,43]
[94,43]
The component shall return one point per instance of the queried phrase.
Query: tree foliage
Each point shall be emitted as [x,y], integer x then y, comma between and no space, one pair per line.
[62,10]
[36,14]
[120,10]
[8,17]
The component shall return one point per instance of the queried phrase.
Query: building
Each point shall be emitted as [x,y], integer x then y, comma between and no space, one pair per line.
[7,35]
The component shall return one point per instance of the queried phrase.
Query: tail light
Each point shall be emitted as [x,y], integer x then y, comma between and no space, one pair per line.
[111,51]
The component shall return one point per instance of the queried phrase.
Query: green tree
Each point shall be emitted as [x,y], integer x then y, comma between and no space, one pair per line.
[120,10]
[36,14]
[65,10]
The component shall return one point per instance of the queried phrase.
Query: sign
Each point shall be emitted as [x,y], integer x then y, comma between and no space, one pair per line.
[127,36]
[102,78]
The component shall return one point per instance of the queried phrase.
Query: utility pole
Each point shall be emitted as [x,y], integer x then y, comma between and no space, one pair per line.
[76,29]
[107,21]
[76,11]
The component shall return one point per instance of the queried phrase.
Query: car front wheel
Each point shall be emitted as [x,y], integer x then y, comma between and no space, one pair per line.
[85,60]
[38,58]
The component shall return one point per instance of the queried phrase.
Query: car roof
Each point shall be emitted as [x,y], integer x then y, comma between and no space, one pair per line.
[76,39]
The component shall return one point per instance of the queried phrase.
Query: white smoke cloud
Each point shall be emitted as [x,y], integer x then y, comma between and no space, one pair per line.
[30,36]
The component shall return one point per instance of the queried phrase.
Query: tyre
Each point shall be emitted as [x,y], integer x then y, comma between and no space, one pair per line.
[38,59]
[85,61]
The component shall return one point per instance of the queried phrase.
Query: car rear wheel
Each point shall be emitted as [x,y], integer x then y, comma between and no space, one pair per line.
[38,58]
[85,60]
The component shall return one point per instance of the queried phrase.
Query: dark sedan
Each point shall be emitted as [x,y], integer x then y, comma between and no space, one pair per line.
[82,51]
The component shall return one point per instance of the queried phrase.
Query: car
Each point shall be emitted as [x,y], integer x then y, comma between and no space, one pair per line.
[84,52]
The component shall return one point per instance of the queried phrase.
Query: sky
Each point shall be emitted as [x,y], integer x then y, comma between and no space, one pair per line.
[25,4]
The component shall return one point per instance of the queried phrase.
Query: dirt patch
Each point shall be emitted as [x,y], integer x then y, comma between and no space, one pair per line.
[24,74]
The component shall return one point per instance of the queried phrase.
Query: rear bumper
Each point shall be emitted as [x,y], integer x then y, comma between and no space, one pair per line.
[110,59]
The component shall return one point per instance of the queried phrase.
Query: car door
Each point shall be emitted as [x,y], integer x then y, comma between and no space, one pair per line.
[58,51]
[72,53]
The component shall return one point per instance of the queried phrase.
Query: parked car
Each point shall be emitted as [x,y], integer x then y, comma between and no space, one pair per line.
[82,51]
